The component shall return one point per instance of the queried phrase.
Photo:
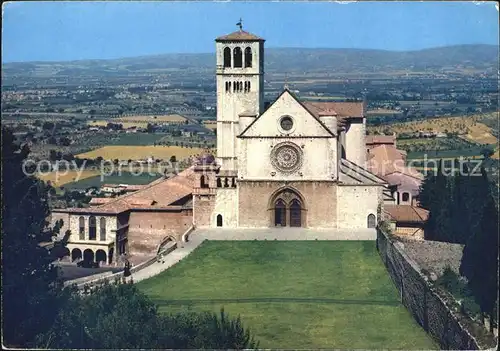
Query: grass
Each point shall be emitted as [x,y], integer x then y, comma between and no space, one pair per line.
[125,152]
[61,178]
[124,178]
[311,294]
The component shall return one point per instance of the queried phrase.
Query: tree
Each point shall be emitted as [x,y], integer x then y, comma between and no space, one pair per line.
[480,260]
[31,290]
[487,152]
[173,159]
[120,316]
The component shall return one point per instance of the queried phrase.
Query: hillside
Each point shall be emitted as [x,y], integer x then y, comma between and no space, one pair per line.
[278,60]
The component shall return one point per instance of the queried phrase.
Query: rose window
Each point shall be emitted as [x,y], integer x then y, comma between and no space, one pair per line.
[286,157]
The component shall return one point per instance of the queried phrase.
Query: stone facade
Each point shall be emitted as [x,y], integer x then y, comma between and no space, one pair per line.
[148,228]
[283,164]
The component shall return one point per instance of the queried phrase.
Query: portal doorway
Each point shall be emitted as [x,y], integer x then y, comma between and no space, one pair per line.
[287,209]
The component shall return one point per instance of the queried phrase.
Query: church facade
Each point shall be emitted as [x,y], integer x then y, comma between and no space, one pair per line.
[293,164]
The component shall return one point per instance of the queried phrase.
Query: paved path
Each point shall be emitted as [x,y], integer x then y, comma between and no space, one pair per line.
[284,234]
[200,235]
[169,260]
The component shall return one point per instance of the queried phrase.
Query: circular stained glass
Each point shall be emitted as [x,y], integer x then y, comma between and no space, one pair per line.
[286,157]
[286,123]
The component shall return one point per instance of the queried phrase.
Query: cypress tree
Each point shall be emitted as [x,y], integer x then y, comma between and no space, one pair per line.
[480,259]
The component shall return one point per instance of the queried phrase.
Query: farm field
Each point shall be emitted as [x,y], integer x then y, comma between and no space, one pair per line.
[473,153]
[126,152]
[468,127]
[63,177]
[382,111]
[210,124]
[141,121]
[123,178]
[295,294]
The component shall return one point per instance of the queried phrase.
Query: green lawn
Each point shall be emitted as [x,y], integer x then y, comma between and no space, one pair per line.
[309,294]
[124,178]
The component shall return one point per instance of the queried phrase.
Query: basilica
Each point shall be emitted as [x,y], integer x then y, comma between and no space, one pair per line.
[291,164]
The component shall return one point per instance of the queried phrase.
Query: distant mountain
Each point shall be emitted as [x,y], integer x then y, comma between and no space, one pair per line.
[278,60]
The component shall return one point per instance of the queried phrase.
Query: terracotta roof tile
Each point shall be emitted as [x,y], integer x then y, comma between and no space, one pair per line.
[386,159]
[380,139]
[158,194]
[239,35]
[407,213]
[343,109]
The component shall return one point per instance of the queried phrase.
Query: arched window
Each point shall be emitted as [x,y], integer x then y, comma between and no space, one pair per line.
[406,197]
[219,220]
[92,228]
[81,223]
[226,183]
[248,88]
[227,57]
[248,57]
[233,183]
[372,223]
[219,183]
[227,87]
[203,182]
[295,213]
[238,57]
[102,225]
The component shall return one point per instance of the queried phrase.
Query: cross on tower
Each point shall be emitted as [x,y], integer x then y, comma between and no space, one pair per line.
[240,24]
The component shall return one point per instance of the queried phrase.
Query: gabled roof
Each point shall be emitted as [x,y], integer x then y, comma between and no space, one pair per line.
[239,35]
[386,159]
[343,109]
[407,213]
[299,102]
[351,173]
[380,139]
[159,194]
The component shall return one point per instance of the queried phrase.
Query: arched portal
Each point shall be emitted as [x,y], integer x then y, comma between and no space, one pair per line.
[76,254]
[100,256]
[287,208]
[219,220]
[88,255]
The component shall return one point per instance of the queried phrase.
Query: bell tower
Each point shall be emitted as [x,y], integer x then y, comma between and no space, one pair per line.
[240,90]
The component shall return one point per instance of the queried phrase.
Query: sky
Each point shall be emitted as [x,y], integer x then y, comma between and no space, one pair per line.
[73,30]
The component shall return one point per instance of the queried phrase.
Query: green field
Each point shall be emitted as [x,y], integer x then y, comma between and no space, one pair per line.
[124,178]
[308,294]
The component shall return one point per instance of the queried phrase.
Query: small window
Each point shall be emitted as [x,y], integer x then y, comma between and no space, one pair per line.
[219,220]
[406,197]
[372,223]
[81,222]
[286,123]
[102,223]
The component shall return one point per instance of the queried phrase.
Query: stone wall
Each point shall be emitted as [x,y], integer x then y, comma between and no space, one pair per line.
[255,208]
[355,141]
[203,208]
[226,205]
[355,203]
[148,228]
